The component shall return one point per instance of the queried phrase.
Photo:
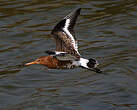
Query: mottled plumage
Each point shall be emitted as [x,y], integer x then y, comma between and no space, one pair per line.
[66,54]
[64,34]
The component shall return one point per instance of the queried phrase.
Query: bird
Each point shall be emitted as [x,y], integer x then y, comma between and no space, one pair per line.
[66,54]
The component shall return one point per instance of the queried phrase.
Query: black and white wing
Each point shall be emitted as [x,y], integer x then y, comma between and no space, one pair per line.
[63,56]
[64,34]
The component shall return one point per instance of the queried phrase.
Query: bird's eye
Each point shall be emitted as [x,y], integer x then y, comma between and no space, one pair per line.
[38,60]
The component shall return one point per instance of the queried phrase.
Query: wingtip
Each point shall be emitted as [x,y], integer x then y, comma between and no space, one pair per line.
[76,11]
[73,15]
[50,52]
[79,9]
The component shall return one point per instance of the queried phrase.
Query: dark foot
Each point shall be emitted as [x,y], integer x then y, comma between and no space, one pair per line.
[97,70]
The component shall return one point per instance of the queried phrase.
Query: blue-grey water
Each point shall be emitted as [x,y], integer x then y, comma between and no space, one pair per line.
[106,30]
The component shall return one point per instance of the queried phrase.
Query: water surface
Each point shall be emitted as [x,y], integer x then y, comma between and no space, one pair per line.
[106,30]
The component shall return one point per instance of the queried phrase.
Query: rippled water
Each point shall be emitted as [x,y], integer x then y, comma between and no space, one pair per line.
[107,31]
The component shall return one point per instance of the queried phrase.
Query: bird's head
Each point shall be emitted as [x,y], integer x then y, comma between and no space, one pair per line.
[40,60]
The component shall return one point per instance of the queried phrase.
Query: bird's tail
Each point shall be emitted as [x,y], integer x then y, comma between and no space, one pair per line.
[90,64]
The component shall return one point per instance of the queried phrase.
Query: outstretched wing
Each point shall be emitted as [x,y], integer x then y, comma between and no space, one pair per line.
[64,34]
[63,56]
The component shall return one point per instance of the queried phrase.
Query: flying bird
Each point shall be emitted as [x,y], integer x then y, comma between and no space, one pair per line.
[66,55]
